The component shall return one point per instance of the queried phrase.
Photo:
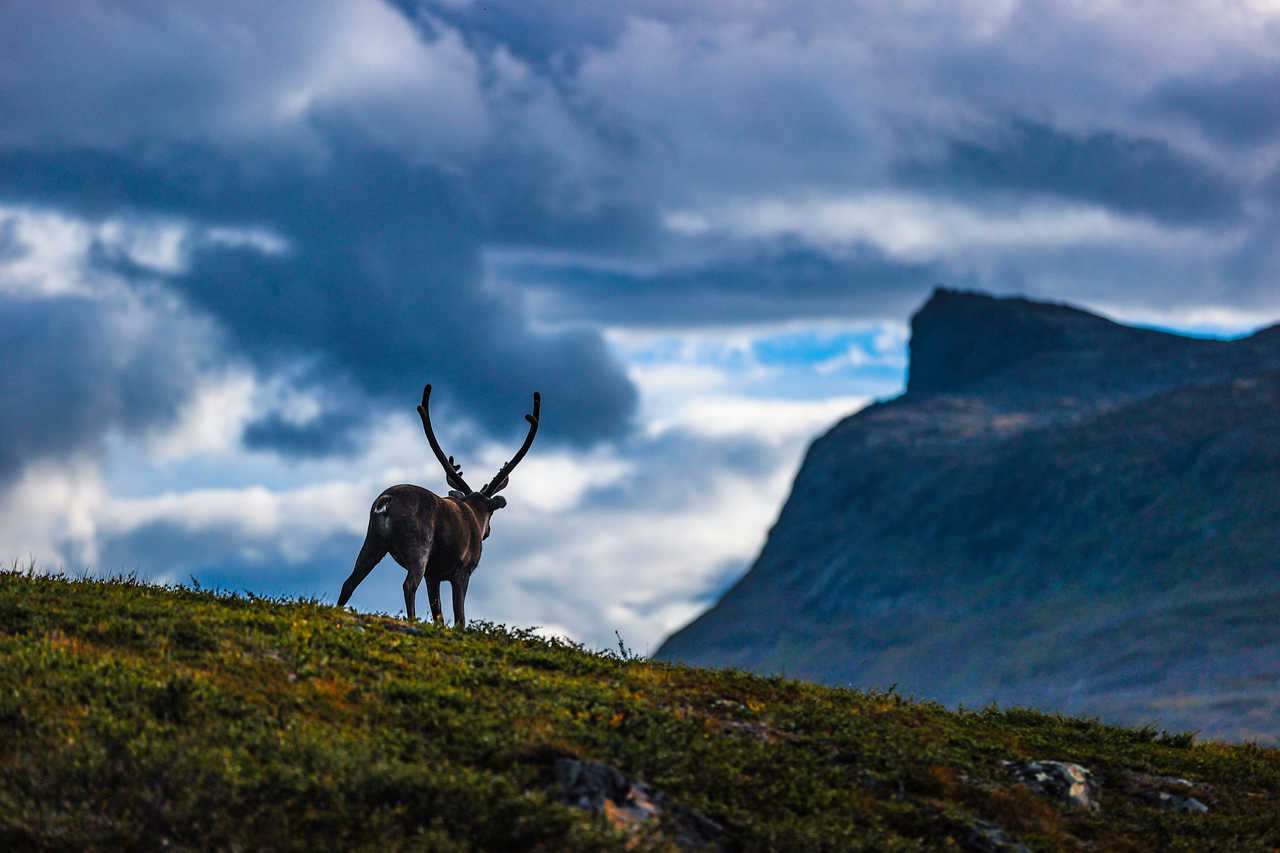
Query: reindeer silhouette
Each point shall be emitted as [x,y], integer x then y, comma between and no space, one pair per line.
[433,537]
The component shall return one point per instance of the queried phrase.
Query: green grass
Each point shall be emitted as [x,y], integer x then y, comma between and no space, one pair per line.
[138,717]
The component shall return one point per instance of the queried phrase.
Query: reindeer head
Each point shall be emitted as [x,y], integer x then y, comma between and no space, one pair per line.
[487,500]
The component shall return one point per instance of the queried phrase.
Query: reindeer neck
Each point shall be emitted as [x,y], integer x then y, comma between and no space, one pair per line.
[478,507]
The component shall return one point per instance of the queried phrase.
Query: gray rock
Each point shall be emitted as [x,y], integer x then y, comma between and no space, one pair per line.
[1063,781]
[988,838]
[629,804]
[1148,787]
[1174,803]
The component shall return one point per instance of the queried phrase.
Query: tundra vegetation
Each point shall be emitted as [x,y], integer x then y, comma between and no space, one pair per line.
[142,717]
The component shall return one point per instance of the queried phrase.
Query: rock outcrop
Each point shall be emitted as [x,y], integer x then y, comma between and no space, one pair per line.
[1064,781]
[1060,512]
[631,806]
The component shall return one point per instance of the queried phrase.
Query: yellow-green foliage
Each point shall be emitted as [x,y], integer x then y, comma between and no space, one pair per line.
[134,717]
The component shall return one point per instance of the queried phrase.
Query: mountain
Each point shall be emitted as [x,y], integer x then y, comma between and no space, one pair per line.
[135,717]
[1060,512]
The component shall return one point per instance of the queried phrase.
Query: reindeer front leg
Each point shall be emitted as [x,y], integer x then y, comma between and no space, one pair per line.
[433,598]
[459,584]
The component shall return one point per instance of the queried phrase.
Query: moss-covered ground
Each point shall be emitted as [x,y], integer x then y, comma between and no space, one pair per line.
[139,717]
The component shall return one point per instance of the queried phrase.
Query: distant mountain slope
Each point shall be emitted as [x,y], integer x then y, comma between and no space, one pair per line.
[1060,511]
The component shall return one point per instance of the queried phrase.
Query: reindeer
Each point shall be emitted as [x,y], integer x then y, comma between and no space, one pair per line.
[433,537]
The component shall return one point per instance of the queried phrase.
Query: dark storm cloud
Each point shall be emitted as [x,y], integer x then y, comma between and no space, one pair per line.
[380,289]
[772,283]
[325,435]
[1135,175]
[226,557]
[68,378]
[1241,111]
[133,112]
[537,32]
[389,190]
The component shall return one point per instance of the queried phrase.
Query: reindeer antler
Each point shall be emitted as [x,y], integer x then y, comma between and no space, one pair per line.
[452,470]
[499,481]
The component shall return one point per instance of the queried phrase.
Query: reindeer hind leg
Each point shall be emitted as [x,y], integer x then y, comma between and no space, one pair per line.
[371,552]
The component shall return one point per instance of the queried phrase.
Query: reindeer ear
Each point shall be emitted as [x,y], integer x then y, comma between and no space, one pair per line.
[454,493]
[497,503]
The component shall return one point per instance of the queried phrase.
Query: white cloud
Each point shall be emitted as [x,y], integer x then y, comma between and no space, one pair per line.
[51,252]
[775,421]
[642,570]
[49,515]
[555,481]
[554,632]
[689,92]
[242,72]
[253,522]
[918,228]
[854,356]
[419,97]
[210,422]
[153,245]
[260,239]
[677,378]
[1213,320]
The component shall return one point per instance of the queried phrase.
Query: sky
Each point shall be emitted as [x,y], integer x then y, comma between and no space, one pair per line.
[236,238]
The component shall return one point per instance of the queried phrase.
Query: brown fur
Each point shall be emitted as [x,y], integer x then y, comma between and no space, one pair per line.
[439,539]
[433,538]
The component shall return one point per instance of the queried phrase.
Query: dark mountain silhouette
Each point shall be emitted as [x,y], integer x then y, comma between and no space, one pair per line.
[1060,512]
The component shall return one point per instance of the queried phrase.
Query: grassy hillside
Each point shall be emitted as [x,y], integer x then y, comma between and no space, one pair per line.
[134,717]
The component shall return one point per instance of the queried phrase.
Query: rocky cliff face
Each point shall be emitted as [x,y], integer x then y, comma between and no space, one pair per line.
[1060,512]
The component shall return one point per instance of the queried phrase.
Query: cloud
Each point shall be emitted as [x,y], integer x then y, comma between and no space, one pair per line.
[570,144]
[48,514]
[642,555]
[772,420]
[379,290]
[801,370]
[78,370]
[223,557]
[323,435]
[331,151]
[236,74]
[769,281]
[1241,110]
[915,228]
[209,422]
[1130,175]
